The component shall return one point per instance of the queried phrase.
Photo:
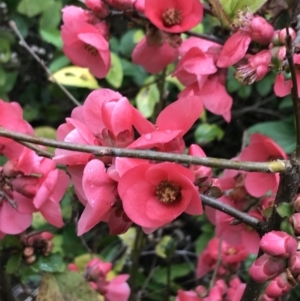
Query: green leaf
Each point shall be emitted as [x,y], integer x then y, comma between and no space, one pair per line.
[165,247]
[52,36]
[13,263]
[219,12]
[245,91]
[286,226]
[177,270]
[58,63]
[4,50]
[2,76]
[286,103]
[82,260]
[265,86]
[51,16]
[128,238]
[127,42]
[49,289]
[115,74]
[137,73]
[11,78]
[76,76]
[285,210]
[206,133]
[31,8]
[74,287]
[203,240]
[282,132]
[52,263]
[231,7]
[146,100]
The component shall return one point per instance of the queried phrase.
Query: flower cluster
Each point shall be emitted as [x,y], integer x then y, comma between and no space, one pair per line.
[120,191]
[28,183]
[101,277]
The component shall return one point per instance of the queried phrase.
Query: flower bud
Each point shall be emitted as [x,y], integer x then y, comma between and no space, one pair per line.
[294,263]
[279,243]
[28,251]
[296,203]
[283,35]
[31,259]
[266,268]
[295,221]
[73,267]
[262,31]
[278,286]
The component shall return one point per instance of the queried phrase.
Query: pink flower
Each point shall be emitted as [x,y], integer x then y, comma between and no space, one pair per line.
[249,28]
[187,296]
[282,86]
[154,195]
[11,118]
[122,4]
[173,15]
[279,244]
[171,124]
[98,7]
[164,55]
[116,289]
[258,66]
[99,190]
[109,116]
[213,94]
[261,149]
[85,44]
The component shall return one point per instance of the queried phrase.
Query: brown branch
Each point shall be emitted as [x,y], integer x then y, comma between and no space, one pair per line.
[23,43]
[295,98]
[237,214]
[269,167]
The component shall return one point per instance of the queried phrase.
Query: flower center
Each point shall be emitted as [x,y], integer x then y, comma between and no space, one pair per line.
[168,192]
[91,49]
[171,17]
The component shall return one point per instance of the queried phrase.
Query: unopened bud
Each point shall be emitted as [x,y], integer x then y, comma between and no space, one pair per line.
[28,251]
[294,263]
[296,203]
[283,35]
[295,222]
[278,243]
[31,259]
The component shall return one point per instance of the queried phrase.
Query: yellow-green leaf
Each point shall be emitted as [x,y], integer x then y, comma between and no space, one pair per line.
[115,74]
[76,77]
[49,289]
[163,248]
[128,238]
[219,12]
[47,132]
[146,100]
[231,7]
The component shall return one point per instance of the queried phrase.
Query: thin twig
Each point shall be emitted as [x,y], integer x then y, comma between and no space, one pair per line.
[218,263]
[23,43]
[295,98]
[38,150]
[269,167]
[237,214]
[205,37]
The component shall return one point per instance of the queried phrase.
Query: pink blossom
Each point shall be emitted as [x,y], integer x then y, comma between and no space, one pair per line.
[249,28]
[174,16]
[236,234]
[99,191]
[84,43]
[261,149]
[213,94]
[109,116]
[121,4]
[11,118]
[187,296]
[282,86]
[171,124]
[278,243]
[154,195]
[98,7]
[164,55]
[258,66]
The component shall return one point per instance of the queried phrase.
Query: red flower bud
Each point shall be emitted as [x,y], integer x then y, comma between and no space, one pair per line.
[266,268]
[295,221]
[294,263]
[279,243]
